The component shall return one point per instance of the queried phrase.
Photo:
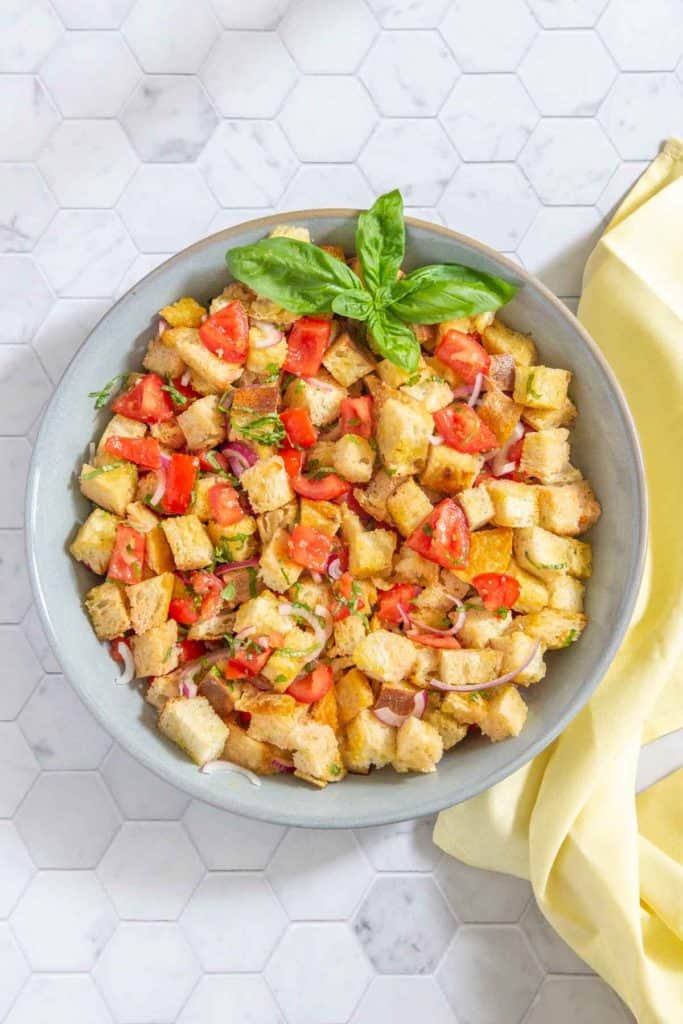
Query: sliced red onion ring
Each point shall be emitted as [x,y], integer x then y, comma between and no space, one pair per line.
[244,633]
[165,459]
[476,390]
[405,618]
[92,451]
[270,335]
[128,673]
[162,326]
[455,628]
[160,487]
[187,689]
[322,385]
[322,635]
[437,684]
[246,563]
[185,379]
[500,465]
[462,391]
[282,766]
[436,440]
[316,576]
[205,661]
[240,456]
[218,767]
[334,569]
[390,717]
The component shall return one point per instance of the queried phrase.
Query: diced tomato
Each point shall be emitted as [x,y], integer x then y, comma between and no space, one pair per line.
[306,344]
[447,643]
[483,477]
[349,598]
[356,416]
[293,460]
[310,547]
[496,589]
[243,719]
[464,354]
[145,401]
[313,686]
[392,602]
[128,555]
[226,333]
[224,503]
[143,451]
[300,430]
[444,536]
[190,650]
[180,479]
[184,610]
[328,488]
[249,661]
[115,648]
[208,587]
[462,429]
[211,460]
[186,391]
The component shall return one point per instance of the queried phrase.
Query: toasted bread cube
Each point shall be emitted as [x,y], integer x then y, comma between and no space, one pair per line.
[168,434]
[253,402]
[240,748]
[221,693]
[565,594]
[544,419]
[141,517]
[455,587]
[285,663]
[274,718]
[203,424]
[499,340]
[300,234]
[149,600]
[214,628]
[466,708]
[158,553]
[209,368]
[395,376]
[317,754]
[432,606]
[195,727]
[371,552]
[431,391]
[161,689]
[425,666]
[540,552]
[264,613]
[465,668]
[541,387]
[403,429]
[161,359]
[353,458]
[348,633]
[419,747]
[108,611]
[94,542]
[490,551]
[323,403]
[277,570]
[385,656]
[514,504]
[568,510]
[235,542]
[499,413]
[533,594]
[111,487]
[263,309]
[347,361]
[321,515]
[267,485]
[501,373]
[482,626]
[189,542]
[374,498]
[232,291]
[284,517]
[411,567]
[553,628]
[325,710]
[155,652]
[545,454]
[506,714]
[186,312]
[477,505]
[516,647]
[449,729]
[369,743]
[449,471]
[408,506]
[265,361]
[307,591]
[118,426]
[354,693]
[200,505]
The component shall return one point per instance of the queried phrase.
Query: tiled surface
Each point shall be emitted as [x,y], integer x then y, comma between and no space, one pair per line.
[129,128]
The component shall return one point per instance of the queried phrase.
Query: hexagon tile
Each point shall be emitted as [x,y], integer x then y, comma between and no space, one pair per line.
[128,129]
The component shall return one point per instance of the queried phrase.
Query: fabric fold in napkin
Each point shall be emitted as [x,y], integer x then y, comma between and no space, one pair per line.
[607,866]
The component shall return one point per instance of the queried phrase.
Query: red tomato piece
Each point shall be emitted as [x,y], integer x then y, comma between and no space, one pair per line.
[226,333]
[143,451]
[250,661]
[356,416]
[349,598]
[180,479]
[184,610]
[313,686]
[190,650]
[464,354]
[496,590]
[310,547]
[186,391]
[300,430]
[145,401]
[444,536]
[462,429]
[391,602]
[128,555]
[211,461]
[327,489]
[447,643]
[209,588]
[306,344]
[293,460]
[225,504]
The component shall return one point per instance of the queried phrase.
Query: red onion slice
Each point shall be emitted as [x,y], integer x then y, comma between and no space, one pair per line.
[246,563]
[462,391]
[334,569]
[204,662]
[437,684]
[162,326]
[128,672]
[240,456]
[218,767]
[500,465]
[188,689]
[185,379]
[390,717]
[160,487]
[282,766]
[322,635]
[436,440]
[322,385]
[476,390]
[270,335]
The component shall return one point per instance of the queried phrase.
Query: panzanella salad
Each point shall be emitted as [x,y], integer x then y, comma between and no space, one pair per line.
[335,512]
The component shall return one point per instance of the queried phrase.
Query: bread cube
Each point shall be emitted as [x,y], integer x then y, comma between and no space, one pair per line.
[432,606]
[545,454]
[307,591]
[419,747]
[501,375]
[481,627]
[186,312]
[200,505]
[189,542]
[499,340]
[466,708]
[505,715]
[325,711]
[267,484]
[285,663]
[264,613]
[371,552]
[155,652]
[425,666]
[347,361]
[541,387]
[553,628]
[514,504]
[271,312]
[118,426]
[431,391]
[213,628]
[565,594]
[158,553]
[149,601]
[211,369]
[477,505]
[108,611]
[369,743]
[321,515]
[540,552]
[274,718]
[403,429]
[348,633]
[450,730]
[568,510]
[111,487]
[252,402]
[161,689]
[411,567]
[277,570]
[240,748]
[168,434]
[516,647]
[385,656]
[264,361]
[161,359]
[408,506]
[322,402]
[195,727]
[353,458]
[374,498]
[455,587]
[94,542]
[533,593]
[317,756]
[203,424]
[449,471]
[464,667]
[499,413]
[141,517]
[285,517]
[544,419]
[490,551]
[300,234]
[354,693]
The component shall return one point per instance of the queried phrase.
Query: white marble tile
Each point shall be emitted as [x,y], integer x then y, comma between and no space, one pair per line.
[18,768]
[26,207]
[643,37]
[409,74]
[24,388]
[168,118]
[409,13]
[138,792]
[87,162]
[501,975]
[15,591]
[428,213]
[73,74]
[255,14]
[558,244]
[404,925]
[67,820]
[24,298]
[142,265]
[92,13]
[555,955]
[569,160]
[227,842]
[27,116]
[327,952]
[33,631]
[21,670]
[567,13]
[233,921]
[619,185]
[146,973]
[582,72]
[397,1000]
[481,896]
[341,111]
[51,719]
[491,202]
[642,111]
[588,1000]
[319,875]
[248,74]
[63,921]
[64,330]
[313,31]
[84,253]
[488,117]
[229,218]
[13,969]
[165,39]
[48,999]
[15,454]
[467,28]
[166,207]
[247,163]
[17,867]
[320,184]
[404,846]
[130,871]
[411,154]
[246,995]
[28,31]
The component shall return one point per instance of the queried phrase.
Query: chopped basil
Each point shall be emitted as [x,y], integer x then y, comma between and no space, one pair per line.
[266,430]
[102,397]
[572,635]
[530,387]
[557,567]
[101,469]
[228,592]
[178,397]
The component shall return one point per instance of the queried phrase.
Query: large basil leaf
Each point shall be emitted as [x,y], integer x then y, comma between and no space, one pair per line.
[355,303]
[301,277]
[446,291]
[393,340]
[381,240]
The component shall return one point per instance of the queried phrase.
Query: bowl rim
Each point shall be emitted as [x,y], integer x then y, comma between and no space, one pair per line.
[416,808]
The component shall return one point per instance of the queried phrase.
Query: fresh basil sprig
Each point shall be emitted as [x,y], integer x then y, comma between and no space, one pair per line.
[305,279]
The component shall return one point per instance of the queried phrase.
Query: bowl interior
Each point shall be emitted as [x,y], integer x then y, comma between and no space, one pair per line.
[604,446]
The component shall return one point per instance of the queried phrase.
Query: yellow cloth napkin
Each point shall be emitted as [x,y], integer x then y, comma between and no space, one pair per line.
[607,867]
